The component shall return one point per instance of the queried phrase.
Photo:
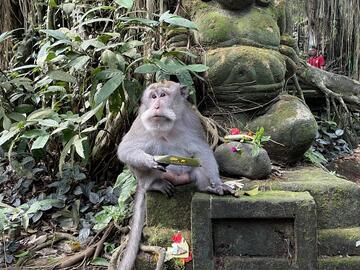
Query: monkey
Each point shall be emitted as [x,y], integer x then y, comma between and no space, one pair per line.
[165,125]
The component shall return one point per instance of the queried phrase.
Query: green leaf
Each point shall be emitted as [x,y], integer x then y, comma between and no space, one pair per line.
[57,34]
[108,88]
[39,114]
[31,134]
[24,108]
[197,68]
[4,36]
[59,75]
[6,123]
[147,68]
[79,62]
[78,143]
[64,153]
[48,123]
[40,142]
[127,182]
[52,3]
[18,117]
[107,74]
[7,135]
[173,19]
[125,3]
[100,262]
[91,42]
[86,116]
[54,89]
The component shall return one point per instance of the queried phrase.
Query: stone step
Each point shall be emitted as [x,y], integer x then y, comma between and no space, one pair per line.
[337,200]
[339,263]
[333,242]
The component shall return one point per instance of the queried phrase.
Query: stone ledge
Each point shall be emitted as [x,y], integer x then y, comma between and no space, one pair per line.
[278,206]
[333,242]
[339,263]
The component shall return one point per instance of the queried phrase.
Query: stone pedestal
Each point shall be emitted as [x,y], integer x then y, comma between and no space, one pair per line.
[273,230]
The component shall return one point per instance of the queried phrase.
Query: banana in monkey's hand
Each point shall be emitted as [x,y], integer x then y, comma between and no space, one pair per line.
[177,160]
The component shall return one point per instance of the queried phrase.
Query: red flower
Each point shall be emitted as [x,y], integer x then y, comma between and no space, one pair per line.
[177,237]
[235,131]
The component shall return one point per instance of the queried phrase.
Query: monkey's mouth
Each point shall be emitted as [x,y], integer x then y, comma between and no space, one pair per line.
[160,117]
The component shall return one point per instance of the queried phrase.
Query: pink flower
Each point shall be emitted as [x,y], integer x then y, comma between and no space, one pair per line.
[235,131]
[234,149]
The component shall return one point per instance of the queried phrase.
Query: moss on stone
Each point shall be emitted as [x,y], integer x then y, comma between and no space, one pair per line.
[170,212]
[339,263]
[161,236]
[337,200]
[339,241]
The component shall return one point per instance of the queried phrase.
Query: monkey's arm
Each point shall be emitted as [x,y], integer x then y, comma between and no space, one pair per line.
[132,149]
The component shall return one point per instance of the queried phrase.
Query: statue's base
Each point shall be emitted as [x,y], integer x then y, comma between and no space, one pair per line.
[276,229]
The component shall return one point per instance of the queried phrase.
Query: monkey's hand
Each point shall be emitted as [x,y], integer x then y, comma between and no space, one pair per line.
[152,164]
[221,189]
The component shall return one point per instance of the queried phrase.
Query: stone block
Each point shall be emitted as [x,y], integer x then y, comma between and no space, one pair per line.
[337,200]
[334,242]
[171,212]
[272,230]
[339,263]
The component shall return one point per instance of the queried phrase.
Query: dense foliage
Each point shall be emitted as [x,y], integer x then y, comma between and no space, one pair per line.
[66,99]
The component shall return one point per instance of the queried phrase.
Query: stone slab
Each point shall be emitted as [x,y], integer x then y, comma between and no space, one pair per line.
[292,213]
[337,200]
[333,242]
[340,263]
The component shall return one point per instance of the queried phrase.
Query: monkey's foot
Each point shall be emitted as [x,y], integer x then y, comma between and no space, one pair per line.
[221,190]
[163,186]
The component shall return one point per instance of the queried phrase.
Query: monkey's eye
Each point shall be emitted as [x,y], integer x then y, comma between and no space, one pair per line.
[153,96]
[162,95]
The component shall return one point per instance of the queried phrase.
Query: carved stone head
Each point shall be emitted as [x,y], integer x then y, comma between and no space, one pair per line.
[240,4]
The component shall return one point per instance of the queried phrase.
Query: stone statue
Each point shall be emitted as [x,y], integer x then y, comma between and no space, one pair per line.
[243,42]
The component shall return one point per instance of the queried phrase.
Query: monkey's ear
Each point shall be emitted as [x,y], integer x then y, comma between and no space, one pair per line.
[184,91]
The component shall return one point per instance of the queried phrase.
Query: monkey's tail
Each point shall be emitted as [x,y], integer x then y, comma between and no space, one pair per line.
[128,260]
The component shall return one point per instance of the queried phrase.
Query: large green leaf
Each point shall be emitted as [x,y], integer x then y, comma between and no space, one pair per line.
[147,68]
[64,153]
[59,75]
[79,62]
[7,135]
[86,116]
[40,142]
[173,19]
[108,88]
[57,34]
[125,3]
[78,143]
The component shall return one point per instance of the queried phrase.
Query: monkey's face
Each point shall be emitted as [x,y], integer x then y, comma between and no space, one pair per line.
[162,103]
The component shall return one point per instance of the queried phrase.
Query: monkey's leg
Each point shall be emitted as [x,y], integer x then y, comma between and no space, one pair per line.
[177,179]
[203,183]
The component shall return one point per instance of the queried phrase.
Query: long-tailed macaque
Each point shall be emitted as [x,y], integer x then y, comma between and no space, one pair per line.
[165,125]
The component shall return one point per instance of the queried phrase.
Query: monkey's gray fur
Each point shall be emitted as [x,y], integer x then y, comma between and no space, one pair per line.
[165,125]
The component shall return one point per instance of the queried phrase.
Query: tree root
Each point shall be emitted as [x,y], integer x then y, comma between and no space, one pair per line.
[157,250]
[93,250]
[116,256]
[56,237]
